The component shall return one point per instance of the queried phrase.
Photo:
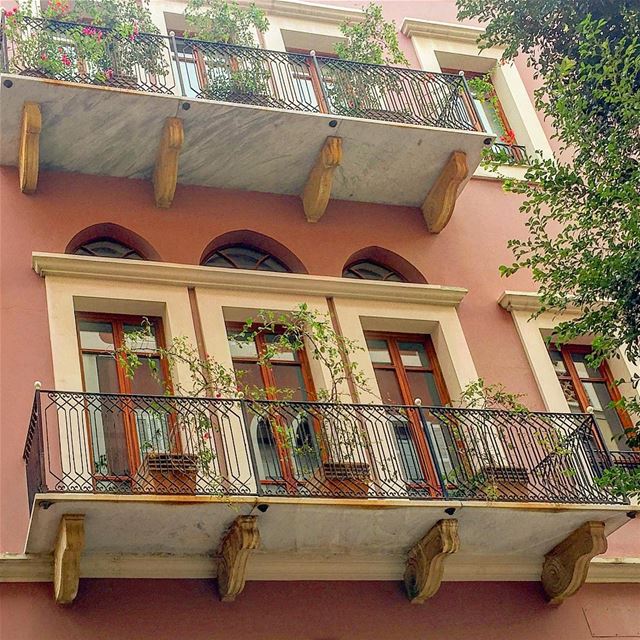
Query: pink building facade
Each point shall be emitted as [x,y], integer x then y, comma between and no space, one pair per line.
[395,234]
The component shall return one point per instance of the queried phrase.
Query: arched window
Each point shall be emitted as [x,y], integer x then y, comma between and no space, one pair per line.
[368,270]
[242,256]
[107,248]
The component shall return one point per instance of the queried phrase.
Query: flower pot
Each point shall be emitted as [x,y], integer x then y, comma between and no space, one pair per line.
[346,479]
[174,473]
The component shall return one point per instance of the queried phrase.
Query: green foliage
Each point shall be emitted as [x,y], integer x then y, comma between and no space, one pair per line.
[222,21]
[621,482]
[479,395]
[104,40]
[583,214]
[373,40]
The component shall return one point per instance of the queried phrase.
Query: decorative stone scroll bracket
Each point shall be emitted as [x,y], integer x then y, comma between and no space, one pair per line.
[29,150]
[425,563]
[566,566]
[317,190]
[165,175]
[66,558]
[441,199]
[241,538]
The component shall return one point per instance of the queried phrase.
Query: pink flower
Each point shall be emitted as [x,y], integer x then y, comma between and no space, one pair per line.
[109,74]
[43,56]
[65,60]
[509,137]
[206,436]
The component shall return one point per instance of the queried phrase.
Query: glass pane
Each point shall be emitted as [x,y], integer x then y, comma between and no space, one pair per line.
[379,351]
[286,354]
[423,386]
[413,354]
[366,270]
[290,377]
[607,417]
[583,370]
[109,445]
[306,453]
[558,363]
[249,377]
[148,378]
[100,373]
[408,452]
[107,249]
[492,118]
[268,462]
[96,335]
[389,387]
[139,343]
[242,349]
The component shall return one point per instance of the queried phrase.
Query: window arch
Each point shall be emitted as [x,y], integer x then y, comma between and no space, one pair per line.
[376,263]
[107,248]
[246,249]
[369,270]
[109,240]
[244,256]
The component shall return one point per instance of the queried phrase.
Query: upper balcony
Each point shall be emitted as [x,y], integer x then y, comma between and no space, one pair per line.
[238,117]
[149,475]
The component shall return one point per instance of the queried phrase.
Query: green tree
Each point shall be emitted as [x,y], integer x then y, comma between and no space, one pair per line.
[583,213]
[222,21]
[373,40]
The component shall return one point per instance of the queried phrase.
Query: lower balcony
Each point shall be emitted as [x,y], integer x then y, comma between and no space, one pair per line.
[338,491]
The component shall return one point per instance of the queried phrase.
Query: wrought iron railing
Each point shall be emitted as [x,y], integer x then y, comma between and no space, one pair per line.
[509,153]
[626,459]
[103,443]
[197,69]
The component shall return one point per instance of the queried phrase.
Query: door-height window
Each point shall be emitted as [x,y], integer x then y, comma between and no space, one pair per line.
[283,437]
[407,369]
[121,432]
[585,386]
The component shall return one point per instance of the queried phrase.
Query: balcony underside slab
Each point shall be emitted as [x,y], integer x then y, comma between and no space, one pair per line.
[331,532]
[114,132]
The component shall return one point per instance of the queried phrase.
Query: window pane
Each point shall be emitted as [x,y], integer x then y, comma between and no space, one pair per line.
[108,441]
[389,387]
[147,380]
[423,386]
[96,335]
[249,377]
[285,354]
[366,270]
[583,370]
[106,248]
[558,363]
[290,377]
[413,354]
[100,373]
[140,343]
[242,349]
[607,417]
[268,462]
[408,452]
[379,351]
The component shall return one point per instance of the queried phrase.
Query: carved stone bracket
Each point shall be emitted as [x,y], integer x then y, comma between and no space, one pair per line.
[165,175]
[441,200]
[66,558]
[239,540]
[29,151]
[566,566]
[425,563]
[317,190]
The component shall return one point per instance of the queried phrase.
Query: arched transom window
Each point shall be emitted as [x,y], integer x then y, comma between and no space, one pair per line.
[241,256]
[368,270]
[107,248]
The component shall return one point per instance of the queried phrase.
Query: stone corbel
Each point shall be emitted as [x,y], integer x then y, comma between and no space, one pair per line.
[566,566]
[425,563]
[66,558]
[241,538]
[441,200]
[317,190]
[165,175]
[29,150]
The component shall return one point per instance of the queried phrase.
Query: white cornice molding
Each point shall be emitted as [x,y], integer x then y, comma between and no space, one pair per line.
[291,566]
[308,10]
[519,301]
[165,273]
[441,30]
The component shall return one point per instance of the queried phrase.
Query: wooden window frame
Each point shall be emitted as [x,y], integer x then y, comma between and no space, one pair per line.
[576,381]
[425,459]
[117,322]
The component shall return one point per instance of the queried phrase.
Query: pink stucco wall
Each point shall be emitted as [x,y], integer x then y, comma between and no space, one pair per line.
[167,610]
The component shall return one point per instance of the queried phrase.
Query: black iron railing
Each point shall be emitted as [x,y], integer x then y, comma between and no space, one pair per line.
[626,459]
[510,153]
[197,69]
[102,443]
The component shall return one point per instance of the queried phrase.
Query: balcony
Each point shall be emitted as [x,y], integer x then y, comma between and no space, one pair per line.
[348,483]
[251,118]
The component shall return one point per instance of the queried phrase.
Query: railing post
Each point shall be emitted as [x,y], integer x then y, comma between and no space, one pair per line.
[432,448]
[174,49]
[324,98]
[252,452]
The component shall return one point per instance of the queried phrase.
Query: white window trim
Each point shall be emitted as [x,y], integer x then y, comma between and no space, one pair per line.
[430,37]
